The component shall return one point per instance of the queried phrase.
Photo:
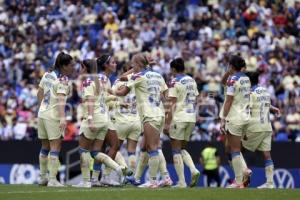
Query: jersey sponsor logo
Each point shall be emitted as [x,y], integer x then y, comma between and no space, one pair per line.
[283,179]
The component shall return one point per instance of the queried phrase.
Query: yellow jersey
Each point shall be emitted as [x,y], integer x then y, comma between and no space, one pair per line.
[125,114]
[184,88]
[53,84]
[239,86]
[260,102]
[148,86]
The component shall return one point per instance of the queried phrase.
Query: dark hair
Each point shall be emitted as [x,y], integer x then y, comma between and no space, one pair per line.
[178,64]
[61,60]
[237,62]
[254,77]
[88,63]
[101,61]
[127,66]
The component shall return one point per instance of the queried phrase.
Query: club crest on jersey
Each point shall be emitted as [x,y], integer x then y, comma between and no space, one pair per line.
[231,81]
[86,83]
[102,78]
[172,83]
[63,79]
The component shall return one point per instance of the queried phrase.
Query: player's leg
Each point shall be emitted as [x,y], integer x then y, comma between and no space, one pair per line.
[166,180]
[265,147]
[269,170]
[131,149]
[55,146]
[100,157]
[85,158]
[112,140]
[237,163]
[187,159]
[97,165]
[43,161]
[44,152]
[152,140]
[142,162]
[132,139]
[178,161]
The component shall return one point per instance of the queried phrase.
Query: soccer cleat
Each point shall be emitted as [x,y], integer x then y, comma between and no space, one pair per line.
[180,185]
[127,172]
[247,177]
[43,182]
[166,182]
[195,178]
[266,186]
[54,183]
[133,181]
[95,183]
[108,182]
[84,184]
[235,185]
[149,184]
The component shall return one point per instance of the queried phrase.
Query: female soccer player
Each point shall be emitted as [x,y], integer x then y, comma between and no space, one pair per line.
[127,120]
[52,95]
[94,125]
[236,114]
[106,65]
[180,120]
[149,86]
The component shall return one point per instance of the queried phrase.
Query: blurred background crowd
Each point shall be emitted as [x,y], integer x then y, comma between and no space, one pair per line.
[203,32]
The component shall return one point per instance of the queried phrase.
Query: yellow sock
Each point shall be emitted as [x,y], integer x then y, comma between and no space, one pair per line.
[142,163]
[53,165]
[153,164]
[103,158]
[43,161]
[120,160]
[131,161]
[237,166]
[187,159]
[162,164]
[269,170]
[244,164]
[179,167]
[85,162]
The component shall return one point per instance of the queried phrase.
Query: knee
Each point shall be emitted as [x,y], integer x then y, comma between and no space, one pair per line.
[267,155]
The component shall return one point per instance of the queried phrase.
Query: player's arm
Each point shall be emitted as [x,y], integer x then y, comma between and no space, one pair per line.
[275,110]
[61,111]
[169,109]
[40,96]
[225,77]
[124,77]
[227,105]
[121,91]
[90,101]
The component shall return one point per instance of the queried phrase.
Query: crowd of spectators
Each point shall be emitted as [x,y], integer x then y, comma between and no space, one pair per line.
[203,32]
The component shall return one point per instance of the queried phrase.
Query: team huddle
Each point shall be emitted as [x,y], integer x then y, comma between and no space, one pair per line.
[140,104]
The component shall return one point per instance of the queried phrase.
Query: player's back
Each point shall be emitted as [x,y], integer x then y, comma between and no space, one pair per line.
[53,84]
[100,108]
[260,102]
[148,87]
[184,88]
[122,113]
[238,86]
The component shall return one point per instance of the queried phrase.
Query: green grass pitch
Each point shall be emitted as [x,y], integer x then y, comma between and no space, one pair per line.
[33,192]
